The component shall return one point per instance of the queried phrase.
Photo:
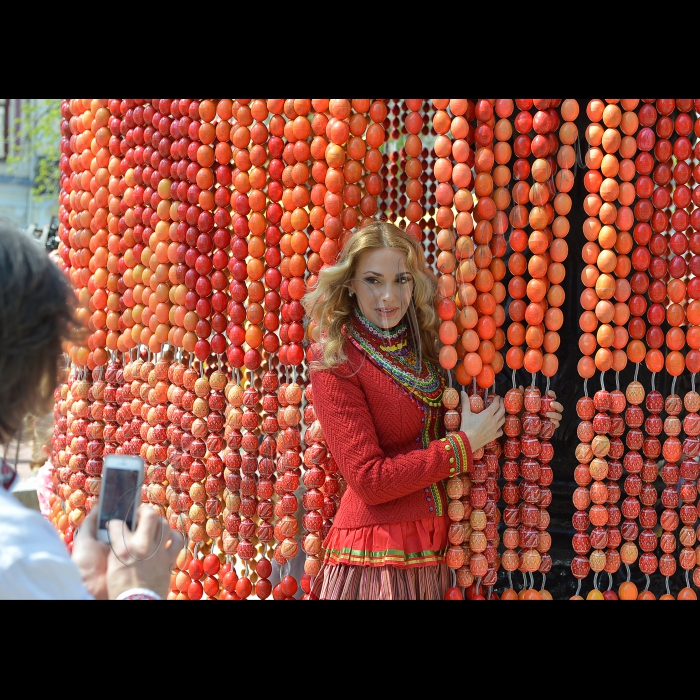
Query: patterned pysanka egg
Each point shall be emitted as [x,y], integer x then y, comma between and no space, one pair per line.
[585,408]
[513,401]
[674,404]
[635,393]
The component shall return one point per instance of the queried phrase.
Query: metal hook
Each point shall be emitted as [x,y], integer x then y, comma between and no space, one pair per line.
[629,573]
[478,584]
[532,579]
[617,380]
[546,391]
[602,381]
[646,588]
[515,386]
[595,581]
[668,590]
[524,580]
[636,371]
[510,580]
[534,379]
[544,578]
[653,377]
[578,588]
[585,387]
[610,581]
[673,385]
[692,381]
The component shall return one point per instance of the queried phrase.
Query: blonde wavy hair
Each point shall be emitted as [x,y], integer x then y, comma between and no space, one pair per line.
[329,305]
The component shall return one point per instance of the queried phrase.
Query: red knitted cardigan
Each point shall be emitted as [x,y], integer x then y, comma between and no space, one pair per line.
[374,429]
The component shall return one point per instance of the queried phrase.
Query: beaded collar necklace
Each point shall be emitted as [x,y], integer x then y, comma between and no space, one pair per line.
[393,352]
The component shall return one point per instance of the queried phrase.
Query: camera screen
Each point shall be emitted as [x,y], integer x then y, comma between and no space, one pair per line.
[118,495]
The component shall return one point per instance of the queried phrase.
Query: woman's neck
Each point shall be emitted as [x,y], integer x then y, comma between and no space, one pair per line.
[388,339]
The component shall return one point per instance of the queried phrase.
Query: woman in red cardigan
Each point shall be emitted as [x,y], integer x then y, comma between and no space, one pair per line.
[378,398]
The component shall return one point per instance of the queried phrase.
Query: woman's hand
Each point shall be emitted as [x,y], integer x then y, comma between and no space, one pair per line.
[556,413]
[482,428]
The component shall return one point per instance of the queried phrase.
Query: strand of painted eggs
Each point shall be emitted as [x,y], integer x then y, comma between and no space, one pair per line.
[692,333]
[446,262]
[183,479]
[247,201]
[250,179]
[513,401]
[212,263]
[479,490]
[395,178]
[72,459]
[459,508]
[604,519]
[429,190]
[58,517]
[688,490]
[315,457]
[543,145]
[296,152]
[413,168]
[672,451]
[489,248]
[289,460]
[605,312]
[612,517]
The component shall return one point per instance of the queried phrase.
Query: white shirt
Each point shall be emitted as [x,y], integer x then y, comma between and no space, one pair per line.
[34,562]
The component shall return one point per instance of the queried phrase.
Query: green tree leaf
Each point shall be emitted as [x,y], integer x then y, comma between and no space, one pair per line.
[38,133]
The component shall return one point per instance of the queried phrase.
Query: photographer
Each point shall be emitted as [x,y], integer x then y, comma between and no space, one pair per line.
[36,317]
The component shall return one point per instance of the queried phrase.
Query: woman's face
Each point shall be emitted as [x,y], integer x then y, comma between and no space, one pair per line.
[383,286]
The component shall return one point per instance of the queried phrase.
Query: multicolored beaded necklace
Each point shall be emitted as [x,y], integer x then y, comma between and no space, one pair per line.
[393,352]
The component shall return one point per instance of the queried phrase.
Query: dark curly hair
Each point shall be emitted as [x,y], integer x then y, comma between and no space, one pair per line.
[37,315]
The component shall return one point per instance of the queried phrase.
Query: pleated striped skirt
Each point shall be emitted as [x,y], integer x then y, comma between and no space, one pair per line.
[343,582]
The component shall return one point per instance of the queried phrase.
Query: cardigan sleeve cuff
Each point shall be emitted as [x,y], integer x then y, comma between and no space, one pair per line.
[138,594]
[461,460]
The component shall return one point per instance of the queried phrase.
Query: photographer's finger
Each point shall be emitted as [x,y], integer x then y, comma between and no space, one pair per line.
[119,532]
[88,527]
[174,540]
[148,524]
